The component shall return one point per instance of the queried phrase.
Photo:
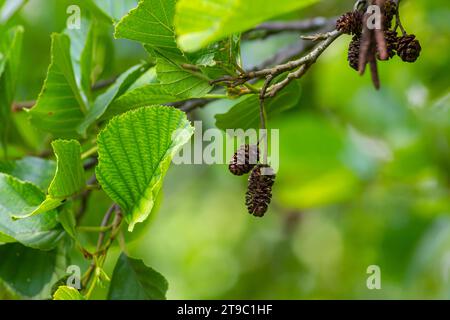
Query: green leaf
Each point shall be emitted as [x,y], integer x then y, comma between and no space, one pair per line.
[68,179]
[67,219]
[135,151]
[30,272]
[31,169]
[150,23]
[68,293]
[218,58]
[60,107]
[81,53]
[133,280]
[69,176]
[201,22]
[18,197]
[244,113]
[104,100]
[10,54]
[179,81]
[151,94]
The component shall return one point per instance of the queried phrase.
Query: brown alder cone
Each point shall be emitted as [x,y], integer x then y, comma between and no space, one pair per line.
[244,160]
[350,23]
[408,48]
[390,10]
[391,43]
[259,193]
[353,52]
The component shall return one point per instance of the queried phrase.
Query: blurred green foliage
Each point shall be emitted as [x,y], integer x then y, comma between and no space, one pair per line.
[364,176]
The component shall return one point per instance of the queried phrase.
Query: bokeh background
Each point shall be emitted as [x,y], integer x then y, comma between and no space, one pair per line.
[364,176]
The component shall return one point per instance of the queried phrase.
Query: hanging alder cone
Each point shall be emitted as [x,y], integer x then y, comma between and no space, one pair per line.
[353,52]
[390,10]
[391,43]
[259,193]
[350,23]
[244,159]
[408,48]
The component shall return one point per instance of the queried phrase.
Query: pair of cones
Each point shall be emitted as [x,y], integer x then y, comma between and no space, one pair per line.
[260,181]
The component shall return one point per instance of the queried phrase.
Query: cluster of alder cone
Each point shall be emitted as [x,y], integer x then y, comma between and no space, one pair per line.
[262,177]
[406,46]
[364,48]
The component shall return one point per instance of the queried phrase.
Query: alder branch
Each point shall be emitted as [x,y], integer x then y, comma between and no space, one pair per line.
[192,104]
[302,64]
[280,61]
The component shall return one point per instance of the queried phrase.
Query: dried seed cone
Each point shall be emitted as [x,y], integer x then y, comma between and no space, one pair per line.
[244,160]
[391,43]
[350,23]
[408,48]
[390,9]
[259,193]
[353,52]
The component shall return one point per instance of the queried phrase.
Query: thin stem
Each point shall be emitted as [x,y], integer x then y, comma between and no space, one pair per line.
[216,96]
[87,276]
[398,22]
[251,87]
[93,229]
[92,151]
[104,223]
[311,57]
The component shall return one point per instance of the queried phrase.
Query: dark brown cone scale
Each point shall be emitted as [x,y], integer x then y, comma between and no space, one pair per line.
[259,192]
[408,48]
[391,42]
[353,52]
[350,23]
[390,10]
[244,160]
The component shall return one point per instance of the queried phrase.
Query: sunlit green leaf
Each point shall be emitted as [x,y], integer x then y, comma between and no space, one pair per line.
[60,107]
[177,79]
[147,95]
[201,22]
[67,293]
[68,179]
[135,151]
[150,23]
